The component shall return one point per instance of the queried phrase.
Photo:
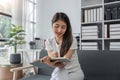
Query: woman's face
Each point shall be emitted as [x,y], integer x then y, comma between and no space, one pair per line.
[59,28]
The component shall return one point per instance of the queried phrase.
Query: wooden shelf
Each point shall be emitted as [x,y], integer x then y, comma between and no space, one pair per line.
[5,73]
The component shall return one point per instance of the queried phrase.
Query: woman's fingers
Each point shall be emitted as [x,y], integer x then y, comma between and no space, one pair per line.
[41,60]
[44,59]
[47,61]
[55,54]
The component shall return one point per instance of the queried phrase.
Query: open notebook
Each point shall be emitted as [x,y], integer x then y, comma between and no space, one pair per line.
[61,59]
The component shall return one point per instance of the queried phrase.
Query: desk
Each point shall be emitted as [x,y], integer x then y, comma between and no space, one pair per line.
[5,73]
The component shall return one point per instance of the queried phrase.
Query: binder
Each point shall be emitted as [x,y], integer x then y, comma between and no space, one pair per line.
[114,12]
[106,1]
[111,0]
[118,12]
[108,14]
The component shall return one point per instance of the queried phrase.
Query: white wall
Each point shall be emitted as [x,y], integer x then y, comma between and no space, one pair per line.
[17,11]
[47,8]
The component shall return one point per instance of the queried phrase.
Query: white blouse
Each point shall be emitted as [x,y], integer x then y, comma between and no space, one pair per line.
[71,66]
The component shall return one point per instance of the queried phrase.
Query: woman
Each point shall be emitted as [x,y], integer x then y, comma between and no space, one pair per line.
[62,44]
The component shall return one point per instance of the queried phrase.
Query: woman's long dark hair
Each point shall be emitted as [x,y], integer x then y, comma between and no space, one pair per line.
[67,37]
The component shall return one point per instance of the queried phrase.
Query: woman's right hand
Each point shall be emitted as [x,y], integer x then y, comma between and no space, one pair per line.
[47,61]
[55,54]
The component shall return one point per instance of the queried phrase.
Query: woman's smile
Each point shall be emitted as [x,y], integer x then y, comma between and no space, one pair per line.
[59,28]
[58,33]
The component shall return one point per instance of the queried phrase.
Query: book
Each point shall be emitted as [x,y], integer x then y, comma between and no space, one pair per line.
[89,16]
[61,59]
[38,62]
[89,36]
[114,32]
[115,43]
[114,25]
[91,30]
[101,17]
[92,15]
[98,14]
[86,16]
[89,33]
[95,15]
[89,27]
[90,48]
[115,36]
[106,31]
[89,43]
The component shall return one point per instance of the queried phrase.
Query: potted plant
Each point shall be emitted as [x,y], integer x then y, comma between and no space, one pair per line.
[16,38]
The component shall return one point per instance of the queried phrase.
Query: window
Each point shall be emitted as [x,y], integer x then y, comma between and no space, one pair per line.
[5,18]
[5,23]
[30,18]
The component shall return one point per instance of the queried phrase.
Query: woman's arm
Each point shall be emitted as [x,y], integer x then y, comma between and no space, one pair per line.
[55,54]
[52,54]
[69,54]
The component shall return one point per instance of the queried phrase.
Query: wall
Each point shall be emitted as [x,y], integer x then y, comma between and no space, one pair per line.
[47,8]
[17,10]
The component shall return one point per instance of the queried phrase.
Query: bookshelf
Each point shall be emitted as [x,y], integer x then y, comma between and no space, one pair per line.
[100,25]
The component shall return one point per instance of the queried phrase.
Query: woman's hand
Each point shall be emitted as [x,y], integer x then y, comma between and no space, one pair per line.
[52,54]
[55,54]
[47,61]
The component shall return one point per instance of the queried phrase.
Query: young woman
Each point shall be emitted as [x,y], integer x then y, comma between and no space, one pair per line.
[62,44]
